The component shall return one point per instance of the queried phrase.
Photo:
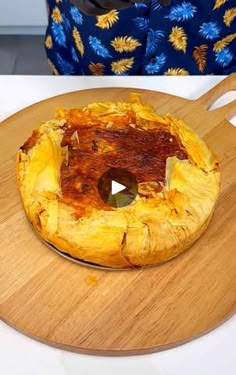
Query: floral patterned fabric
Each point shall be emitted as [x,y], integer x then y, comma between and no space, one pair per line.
[185,37]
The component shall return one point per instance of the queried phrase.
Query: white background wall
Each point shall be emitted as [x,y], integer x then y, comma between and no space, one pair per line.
[23,16]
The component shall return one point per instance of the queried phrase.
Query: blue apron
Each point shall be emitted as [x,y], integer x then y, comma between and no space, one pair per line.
[186,37]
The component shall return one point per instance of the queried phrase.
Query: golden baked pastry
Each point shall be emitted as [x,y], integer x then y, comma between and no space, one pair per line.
[59,166]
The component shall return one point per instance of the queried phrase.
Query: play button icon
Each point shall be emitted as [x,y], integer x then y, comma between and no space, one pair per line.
[117,187]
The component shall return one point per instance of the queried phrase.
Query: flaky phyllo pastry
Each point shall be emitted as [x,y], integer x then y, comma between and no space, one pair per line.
[59,166]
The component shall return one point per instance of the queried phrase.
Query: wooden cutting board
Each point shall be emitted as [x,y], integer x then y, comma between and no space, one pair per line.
[119,312]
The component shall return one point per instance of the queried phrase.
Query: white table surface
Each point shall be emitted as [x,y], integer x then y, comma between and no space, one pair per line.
[213,353]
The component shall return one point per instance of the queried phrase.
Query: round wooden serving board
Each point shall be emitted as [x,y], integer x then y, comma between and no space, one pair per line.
[119,312]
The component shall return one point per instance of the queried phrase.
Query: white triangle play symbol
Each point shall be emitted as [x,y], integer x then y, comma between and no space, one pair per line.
[116,187]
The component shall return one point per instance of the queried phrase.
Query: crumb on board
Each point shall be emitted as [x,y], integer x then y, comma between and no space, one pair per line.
[91,280]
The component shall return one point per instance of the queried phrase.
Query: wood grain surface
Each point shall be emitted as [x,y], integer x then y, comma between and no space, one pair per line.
[119,312]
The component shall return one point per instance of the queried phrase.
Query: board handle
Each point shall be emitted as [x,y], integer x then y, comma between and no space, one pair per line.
[207,99]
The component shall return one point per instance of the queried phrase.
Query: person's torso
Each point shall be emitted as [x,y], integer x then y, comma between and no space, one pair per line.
[186,37]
